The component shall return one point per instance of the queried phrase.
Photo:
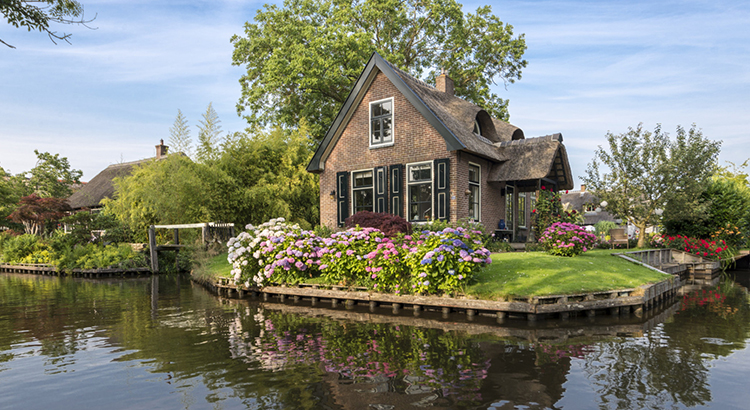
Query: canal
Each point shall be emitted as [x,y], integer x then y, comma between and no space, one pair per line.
[164,342]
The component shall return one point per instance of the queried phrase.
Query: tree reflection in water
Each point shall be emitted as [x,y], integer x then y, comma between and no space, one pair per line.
[671,363]
[228,353]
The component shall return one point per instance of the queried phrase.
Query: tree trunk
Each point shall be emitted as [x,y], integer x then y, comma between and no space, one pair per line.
[641,236]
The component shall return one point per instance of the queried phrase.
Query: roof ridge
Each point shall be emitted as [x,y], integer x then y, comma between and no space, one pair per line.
[534,140]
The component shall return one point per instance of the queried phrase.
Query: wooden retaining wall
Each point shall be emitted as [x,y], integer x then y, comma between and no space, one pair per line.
[42,269]
[691,269]
[613,303]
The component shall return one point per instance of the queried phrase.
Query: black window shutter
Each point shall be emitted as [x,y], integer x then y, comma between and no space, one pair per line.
[342,197]
[381,189]
[441,198]
[396,173]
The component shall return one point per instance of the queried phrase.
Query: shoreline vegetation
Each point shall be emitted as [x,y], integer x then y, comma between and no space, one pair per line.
[517,274]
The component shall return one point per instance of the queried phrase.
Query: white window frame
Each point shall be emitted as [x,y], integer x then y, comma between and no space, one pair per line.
[407,211]
[352,189]
[525,205]
[479,186]
[393,124]
[512,221]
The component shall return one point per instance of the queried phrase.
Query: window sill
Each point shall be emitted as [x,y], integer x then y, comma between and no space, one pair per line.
[389,144]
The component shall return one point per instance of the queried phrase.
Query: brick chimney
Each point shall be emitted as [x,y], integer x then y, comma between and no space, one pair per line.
[583,188]
[161,149]
[444,83]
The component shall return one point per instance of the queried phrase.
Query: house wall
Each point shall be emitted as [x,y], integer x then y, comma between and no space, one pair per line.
[414,140]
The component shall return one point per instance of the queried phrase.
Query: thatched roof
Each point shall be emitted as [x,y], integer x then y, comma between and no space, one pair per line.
[453,118]
[533,159]
[577,199]
[101,186]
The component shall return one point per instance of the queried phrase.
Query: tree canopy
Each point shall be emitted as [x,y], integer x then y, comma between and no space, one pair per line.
[40,14]
[52,176]
[646,171]
[726,199]
[302,59]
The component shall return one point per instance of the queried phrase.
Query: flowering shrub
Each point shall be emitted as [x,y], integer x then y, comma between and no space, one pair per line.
[656,240]
[566,239]
[446,260]
[342,259]
[432,262]
[701,247]
[549,209]
[728,234]
[273,252]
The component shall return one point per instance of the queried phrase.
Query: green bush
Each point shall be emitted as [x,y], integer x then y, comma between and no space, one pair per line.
[16,248]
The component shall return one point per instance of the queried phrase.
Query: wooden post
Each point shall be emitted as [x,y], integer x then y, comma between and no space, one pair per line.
[204,234]
[152,249]
[176,236]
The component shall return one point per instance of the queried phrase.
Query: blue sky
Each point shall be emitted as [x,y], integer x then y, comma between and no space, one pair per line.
[594,67]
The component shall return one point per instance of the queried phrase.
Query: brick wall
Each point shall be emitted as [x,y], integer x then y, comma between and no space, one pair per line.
[414,140]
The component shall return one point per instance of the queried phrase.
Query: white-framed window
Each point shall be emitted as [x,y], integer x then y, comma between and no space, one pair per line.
[475,192]
[363,191]
[419,186]
[509,207]
[477,128]
[522,210]
[381,123]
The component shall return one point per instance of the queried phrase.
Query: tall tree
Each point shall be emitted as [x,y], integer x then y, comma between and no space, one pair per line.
[209,140]
[39,14]
[179,136]
[303,59]
[645,171]
[52,176]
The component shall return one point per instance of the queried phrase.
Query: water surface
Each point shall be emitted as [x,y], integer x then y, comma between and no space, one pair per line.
[163,342]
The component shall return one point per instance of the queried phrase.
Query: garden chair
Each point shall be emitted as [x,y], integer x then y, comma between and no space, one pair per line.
[618,236]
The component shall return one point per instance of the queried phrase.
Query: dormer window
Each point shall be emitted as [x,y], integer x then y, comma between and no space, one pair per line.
[477,127]
[381,123]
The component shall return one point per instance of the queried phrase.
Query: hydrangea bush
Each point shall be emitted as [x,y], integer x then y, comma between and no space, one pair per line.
[274,252]
[342,258]
[432,262]
[566,239]
[446,260]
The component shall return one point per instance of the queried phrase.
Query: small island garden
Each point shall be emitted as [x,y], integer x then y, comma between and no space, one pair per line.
[451,261]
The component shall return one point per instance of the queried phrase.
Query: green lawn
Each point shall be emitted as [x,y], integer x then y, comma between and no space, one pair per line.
[538,274]
[535,274]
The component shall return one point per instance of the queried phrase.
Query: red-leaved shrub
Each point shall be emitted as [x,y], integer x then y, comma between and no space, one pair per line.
[390,225]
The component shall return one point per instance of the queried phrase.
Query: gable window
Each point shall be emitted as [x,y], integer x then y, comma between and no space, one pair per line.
[509,207]
[362,191]
[381,123]
[522,210]
[475,192]
[589,207]
[419,183]
[477,127]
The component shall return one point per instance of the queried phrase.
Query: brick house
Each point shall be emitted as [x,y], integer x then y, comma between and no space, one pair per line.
[401,146]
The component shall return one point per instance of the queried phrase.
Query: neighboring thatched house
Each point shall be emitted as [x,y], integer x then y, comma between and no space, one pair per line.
[587,204]
[401,146]
[90,195]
